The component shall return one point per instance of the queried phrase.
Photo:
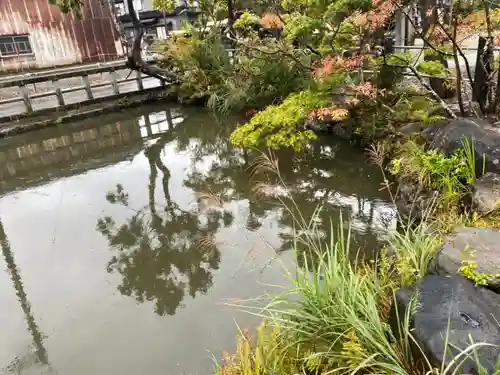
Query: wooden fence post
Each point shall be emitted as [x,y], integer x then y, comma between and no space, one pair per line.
[88,88]
[140,85]
[59,94]
[388,44]
[114,81]
[26,97]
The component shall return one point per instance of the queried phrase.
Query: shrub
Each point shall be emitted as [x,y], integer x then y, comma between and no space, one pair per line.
[259,80]
[252,78]
[278,125]
[200,62]
[257,355]
[247,21]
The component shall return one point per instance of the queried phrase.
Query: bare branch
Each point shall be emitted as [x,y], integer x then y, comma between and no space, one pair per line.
[467,66]
[423,83]
[278,51]
[458,72]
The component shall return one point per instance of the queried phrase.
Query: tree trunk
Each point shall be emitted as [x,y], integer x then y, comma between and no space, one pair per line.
[134,58]
[230,16]
[429,21]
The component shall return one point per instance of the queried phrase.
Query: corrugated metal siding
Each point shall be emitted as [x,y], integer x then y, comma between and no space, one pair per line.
[56,38]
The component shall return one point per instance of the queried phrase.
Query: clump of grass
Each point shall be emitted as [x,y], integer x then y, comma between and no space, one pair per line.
[433,170]
[256,355]
[335,317]
[413,248]
[469,154]
[337,310]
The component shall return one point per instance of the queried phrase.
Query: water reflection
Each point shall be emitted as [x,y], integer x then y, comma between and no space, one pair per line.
[163,251]
[181,228]
[162,254]
[30,358]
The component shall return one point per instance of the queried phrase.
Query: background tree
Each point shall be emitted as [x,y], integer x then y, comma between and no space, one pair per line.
[135,60]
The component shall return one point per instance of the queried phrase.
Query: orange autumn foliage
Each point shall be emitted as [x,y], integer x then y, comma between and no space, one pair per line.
[337,63]
[377,17]
[270,20]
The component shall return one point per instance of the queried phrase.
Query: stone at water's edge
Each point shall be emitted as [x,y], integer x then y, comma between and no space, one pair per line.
[413,202]
[485,193]
[411,128]
[455,307]
[448,135]
[342,129]
[480,245]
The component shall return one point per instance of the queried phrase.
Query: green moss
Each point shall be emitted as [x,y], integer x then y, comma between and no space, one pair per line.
[469,267]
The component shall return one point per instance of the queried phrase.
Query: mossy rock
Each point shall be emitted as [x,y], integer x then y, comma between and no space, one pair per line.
[472,252]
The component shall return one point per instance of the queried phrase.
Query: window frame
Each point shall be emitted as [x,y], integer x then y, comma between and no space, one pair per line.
[20,45]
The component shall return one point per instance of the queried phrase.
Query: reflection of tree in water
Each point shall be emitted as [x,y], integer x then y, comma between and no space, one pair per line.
[159,253]
[28,359]
[163,255]
[311,178]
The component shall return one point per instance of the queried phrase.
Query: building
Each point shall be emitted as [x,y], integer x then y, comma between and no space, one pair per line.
[156,22]
[35,34]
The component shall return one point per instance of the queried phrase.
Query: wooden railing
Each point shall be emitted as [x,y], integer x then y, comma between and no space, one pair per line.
[22,83]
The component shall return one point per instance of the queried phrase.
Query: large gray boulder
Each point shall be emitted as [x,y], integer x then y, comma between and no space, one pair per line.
[452,309]
[485,193]
[479,245]
[448,135]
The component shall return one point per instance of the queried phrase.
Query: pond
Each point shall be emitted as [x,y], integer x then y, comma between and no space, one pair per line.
[126,238]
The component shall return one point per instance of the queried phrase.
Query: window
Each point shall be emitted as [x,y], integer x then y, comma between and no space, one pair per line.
[14,45]
[138,5]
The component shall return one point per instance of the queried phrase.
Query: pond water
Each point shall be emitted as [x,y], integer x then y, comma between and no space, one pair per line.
[125,238]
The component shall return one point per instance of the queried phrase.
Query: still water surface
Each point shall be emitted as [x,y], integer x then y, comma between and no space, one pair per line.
[124,237]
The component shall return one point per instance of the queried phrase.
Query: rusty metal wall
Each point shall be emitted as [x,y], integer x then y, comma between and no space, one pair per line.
[59,39]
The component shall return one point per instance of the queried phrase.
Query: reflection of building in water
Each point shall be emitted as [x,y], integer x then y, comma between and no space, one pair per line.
[50,154]
[37,157]
[159,122]
[365,214]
